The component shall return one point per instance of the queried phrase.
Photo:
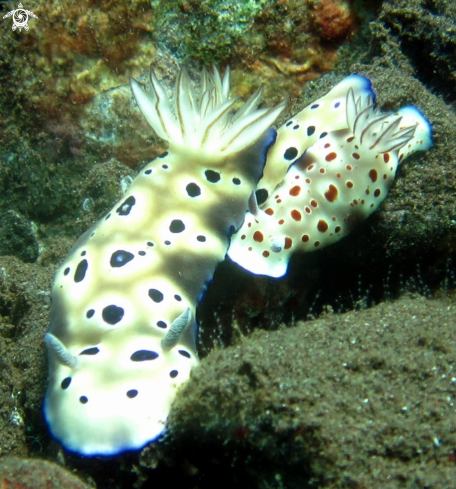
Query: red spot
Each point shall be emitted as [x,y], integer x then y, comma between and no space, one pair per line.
[350,139]
[307,180]
[265,254]
[327,145]
[377,192]
[338,175]
[356,156]
[258,236]
[307,209]
[349,184]
[288,243]
[310,167]
[349,167]
[305,238]
[322,170]
[269,211]
[281,221]
[386,157]
[279,201]
[317,243]
[331,194]
[276,197]
[314,203]
[295,190]
[297,177]
[322,226]
[243,236]
[331,156]
[373,175]
[296,215]
[338,228]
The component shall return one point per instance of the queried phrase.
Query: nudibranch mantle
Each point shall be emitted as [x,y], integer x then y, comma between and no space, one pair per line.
[122,333]
[343,155]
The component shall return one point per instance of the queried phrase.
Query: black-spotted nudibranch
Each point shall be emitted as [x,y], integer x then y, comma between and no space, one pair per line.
[329,169]
[122,334]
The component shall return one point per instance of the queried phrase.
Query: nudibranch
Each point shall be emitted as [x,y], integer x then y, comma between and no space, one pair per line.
[342,156]
[122,332]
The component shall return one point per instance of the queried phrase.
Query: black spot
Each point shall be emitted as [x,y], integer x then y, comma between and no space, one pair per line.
[178,297]
[66,271]
[290,153]
[173,373]
[155,295]
[314,106]
[90,351]
[143,356]
[112,314]
[92,235]
[336,105]
[167,242]
[289,123]
[212,176]
[90,313]
[165,167]
[149,243]
[184,353]
[176,226]
[132,393]
[120,258]
[148,172]
[236,181]
[201,238]
[81,271]
[162,324]
[323,134]
[310,130]
[296,127]
[125,208]
[231,230]
[83,400]
[193,190]
[65,383]
[141,253]
[108,216]
[261,195]
[164,155]
[83,253]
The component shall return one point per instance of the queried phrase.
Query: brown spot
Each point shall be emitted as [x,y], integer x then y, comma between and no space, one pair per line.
[363,201]
[288,243]
[314,203]
[297,177]
[327,145]
[337,230]
[372,205]
[250,224]
[281,221]
[305,238]
[349,167]
[386,157]
[258,236]
[377,192]
[338,175]
[322,170]
[349,184]
[276,197]
[333,218]
[279,201]
[322,226]
[265,254]
[307,180]
[295,190]
[250,248]
[367,191]
[243,236]
[356,156]
[331,194]
[307,209]
[350,139]
[355,202]
[310,167]
[385,176]
[373,175]
[317,243]
[296,215]
[269,211]
[331,156]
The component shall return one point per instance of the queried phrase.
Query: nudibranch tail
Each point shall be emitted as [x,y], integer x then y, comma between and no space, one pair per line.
[335,184]
[208,126]
[122,338]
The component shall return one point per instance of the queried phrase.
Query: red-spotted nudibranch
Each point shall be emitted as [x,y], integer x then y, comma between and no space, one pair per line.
[122,334]
[334,163]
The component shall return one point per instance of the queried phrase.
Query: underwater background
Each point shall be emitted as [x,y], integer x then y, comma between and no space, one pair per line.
[339,375]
